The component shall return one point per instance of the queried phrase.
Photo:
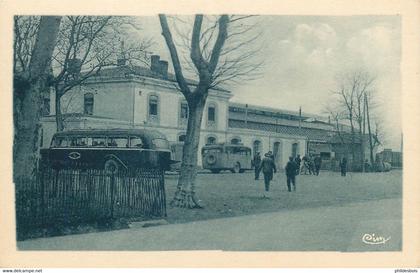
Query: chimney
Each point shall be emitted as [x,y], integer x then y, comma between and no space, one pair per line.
[121,60]
[154,63]
[163,68]
[74,66]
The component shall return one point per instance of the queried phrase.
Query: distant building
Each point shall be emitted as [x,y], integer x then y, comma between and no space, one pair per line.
[394,158]
[125,96]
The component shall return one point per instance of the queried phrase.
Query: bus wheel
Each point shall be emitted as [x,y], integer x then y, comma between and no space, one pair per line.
[111,166]
[215,170]
[236,168]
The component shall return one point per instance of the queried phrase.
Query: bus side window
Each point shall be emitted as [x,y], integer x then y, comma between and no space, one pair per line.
[136,142]
[78,141]
[98,142]
[120,142]
[60,142]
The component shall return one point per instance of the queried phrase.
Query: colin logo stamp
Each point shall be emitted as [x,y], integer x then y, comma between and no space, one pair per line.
[373,239]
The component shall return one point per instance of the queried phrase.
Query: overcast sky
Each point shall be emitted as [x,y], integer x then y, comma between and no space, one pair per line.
[304,54]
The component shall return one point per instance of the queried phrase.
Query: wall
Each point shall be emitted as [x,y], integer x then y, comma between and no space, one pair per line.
[111,100]
[169,105]
[268,140]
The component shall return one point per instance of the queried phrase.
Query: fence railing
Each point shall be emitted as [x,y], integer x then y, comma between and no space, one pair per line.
[73,196]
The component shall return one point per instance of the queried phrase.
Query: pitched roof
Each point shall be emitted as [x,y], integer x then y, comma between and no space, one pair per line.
[124,71]
[310,133]
[277,118]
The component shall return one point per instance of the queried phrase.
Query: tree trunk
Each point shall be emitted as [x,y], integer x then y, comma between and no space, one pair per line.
[28,96]
[58,115]
[185,195]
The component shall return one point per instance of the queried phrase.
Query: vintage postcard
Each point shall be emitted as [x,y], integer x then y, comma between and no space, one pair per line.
[269,134]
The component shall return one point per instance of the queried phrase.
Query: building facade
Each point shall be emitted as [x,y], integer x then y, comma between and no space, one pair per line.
[126,96]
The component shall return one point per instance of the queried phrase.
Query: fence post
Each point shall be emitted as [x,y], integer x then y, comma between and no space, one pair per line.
[162,189]
[40,177]
[112,194]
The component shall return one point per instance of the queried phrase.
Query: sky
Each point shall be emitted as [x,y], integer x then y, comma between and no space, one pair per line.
[303,55]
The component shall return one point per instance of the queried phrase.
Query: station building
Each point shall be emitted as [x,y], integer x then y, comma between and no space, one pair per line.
[125,96]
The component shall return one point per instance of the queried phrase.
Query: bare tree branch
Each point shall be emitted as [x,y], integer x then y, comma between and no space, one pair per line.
[174,56]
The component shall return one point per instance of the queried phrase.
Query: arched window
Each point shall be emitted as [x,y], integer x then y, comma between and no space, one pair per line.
[181,138]
[183,110]
[235,140]
[46,106]
[153,108]
[295,148]
[183,113]
[211,140]
[211,114]
[276,149]
[88,104]
[257,147]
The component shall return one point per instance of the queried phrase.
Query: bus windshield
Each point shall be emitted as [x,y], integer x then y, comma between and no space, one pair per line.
[160,143]
[238,150]
[207,150]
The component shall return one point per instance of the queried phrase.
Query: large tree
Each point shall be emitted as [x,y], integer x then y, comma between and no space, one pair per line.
[351,104]
[31,78]
[216,56]
[84,45]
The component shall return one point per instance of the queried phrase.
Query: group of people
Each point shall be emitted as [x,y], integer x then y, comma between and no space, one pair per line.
[268,167]
[294,167]
[311,164]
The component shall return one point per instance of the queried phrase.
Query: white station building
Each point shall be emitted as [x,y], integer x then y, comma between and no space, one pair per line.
[125,96]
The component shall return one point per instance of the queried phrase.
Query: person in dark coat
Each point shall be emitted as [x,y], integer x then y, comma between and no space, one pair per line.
[305,166]
[318,163]
[268,168]
[271,155]
[298,160]
[257,163]
[291,171]
[311,164]
[343,166]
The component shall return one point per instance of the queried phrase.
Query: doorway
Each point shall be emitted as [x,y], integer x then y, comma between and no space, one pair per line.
[277,153]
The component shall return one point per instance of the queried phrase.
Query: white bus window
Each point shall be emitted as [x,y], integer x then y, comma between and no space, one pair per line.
[77,141]
[119,142]
[60,142]
[136,142]
[160,143]
[98,142]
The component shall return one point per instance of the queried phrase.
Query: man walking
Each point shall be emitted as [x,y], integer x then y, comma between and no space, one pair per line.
[298,160]
[343,166]
[257,163]
[268,168]
[291,171]
[305,166]
[318,163]
[311,164]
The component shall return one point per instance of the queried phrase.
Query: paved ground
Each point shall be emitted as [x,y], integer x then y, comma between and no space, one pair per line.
[327,212]
[320,229]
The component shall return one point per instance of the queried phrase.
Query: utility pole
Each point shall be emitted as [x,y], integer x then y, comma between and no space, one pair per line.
[246,114]
[364,134]
[369,129]
[300,115]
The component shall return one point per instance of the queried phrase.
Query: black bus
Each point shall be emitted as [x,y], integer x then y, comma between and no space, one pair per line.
[109,149]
